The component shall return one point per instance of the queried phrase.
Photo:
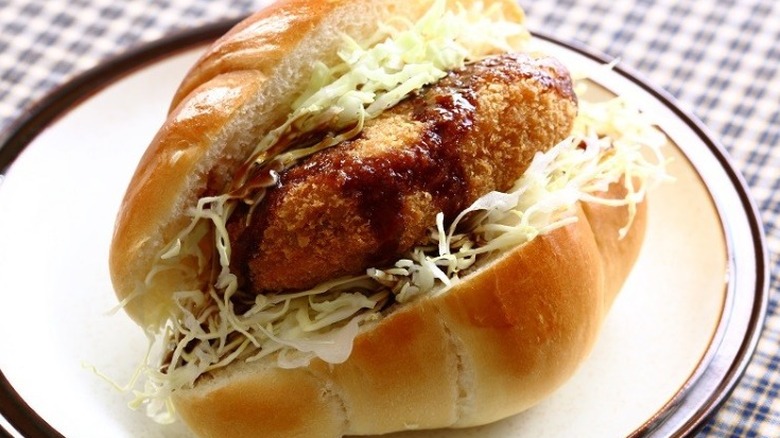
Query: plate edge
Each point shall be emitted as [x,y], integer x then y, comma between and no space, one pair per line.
[15,138]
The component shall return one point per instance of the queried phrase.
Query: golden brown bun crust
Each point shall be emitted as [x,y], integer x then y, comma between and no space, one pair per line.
[152,206]
[241,88]
[460,359]
[493,345]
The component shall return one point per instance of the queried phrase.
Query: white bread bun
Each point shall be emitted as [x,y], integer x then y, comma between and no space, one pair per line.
[241,87]
[493,345]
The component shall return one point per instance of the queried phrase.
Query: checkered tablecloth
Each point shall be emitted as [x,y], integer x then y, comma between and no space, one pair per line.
[719,58]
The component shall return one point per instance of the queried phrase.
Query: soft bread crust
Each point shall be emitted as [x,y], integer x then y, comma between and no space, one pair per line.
[491,346]
[153,208]
[242,87]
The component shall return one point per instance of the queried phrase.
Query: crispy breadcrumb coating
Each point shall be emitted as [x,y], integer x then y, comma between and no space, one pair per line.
[365,202]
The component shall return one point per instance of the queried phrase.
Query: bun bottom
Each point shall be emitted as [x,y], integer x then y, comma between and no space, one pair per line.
[495,344]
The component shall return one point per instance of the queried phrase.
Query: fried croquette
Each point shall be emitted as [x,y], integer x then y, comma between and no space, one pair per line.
[366,201]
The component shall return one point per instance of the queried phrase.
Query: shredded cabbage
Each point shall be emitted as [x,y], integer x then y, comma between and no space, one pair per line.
[611,141]
[209,329]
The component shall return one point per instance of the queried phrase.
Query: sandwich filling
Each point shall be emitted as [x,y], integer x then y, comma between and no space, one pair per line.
[218,324]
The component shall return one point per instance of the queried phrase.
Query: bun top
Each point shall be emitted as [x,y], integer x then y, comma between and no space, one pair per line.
[242,87]
[310,28]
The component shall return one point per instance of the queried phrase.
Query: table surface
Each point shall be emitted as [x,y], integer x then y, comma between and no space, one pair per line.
[719,58]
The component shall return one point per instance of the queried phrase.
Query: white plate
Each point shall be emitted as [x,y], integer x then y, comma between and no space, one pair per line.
[674,345]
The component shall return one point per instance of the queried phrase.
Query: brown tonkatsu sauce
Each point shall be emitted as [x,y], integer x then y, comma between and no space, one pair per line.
[366,201]
[379,184]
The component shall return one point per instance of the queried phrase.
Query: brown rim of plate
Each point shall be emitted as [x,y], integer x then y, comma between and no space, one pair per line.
[704,391]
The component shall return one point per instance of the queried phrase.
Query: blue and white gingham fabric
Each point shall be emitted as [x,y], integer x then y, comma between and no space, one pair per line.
[719,58]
